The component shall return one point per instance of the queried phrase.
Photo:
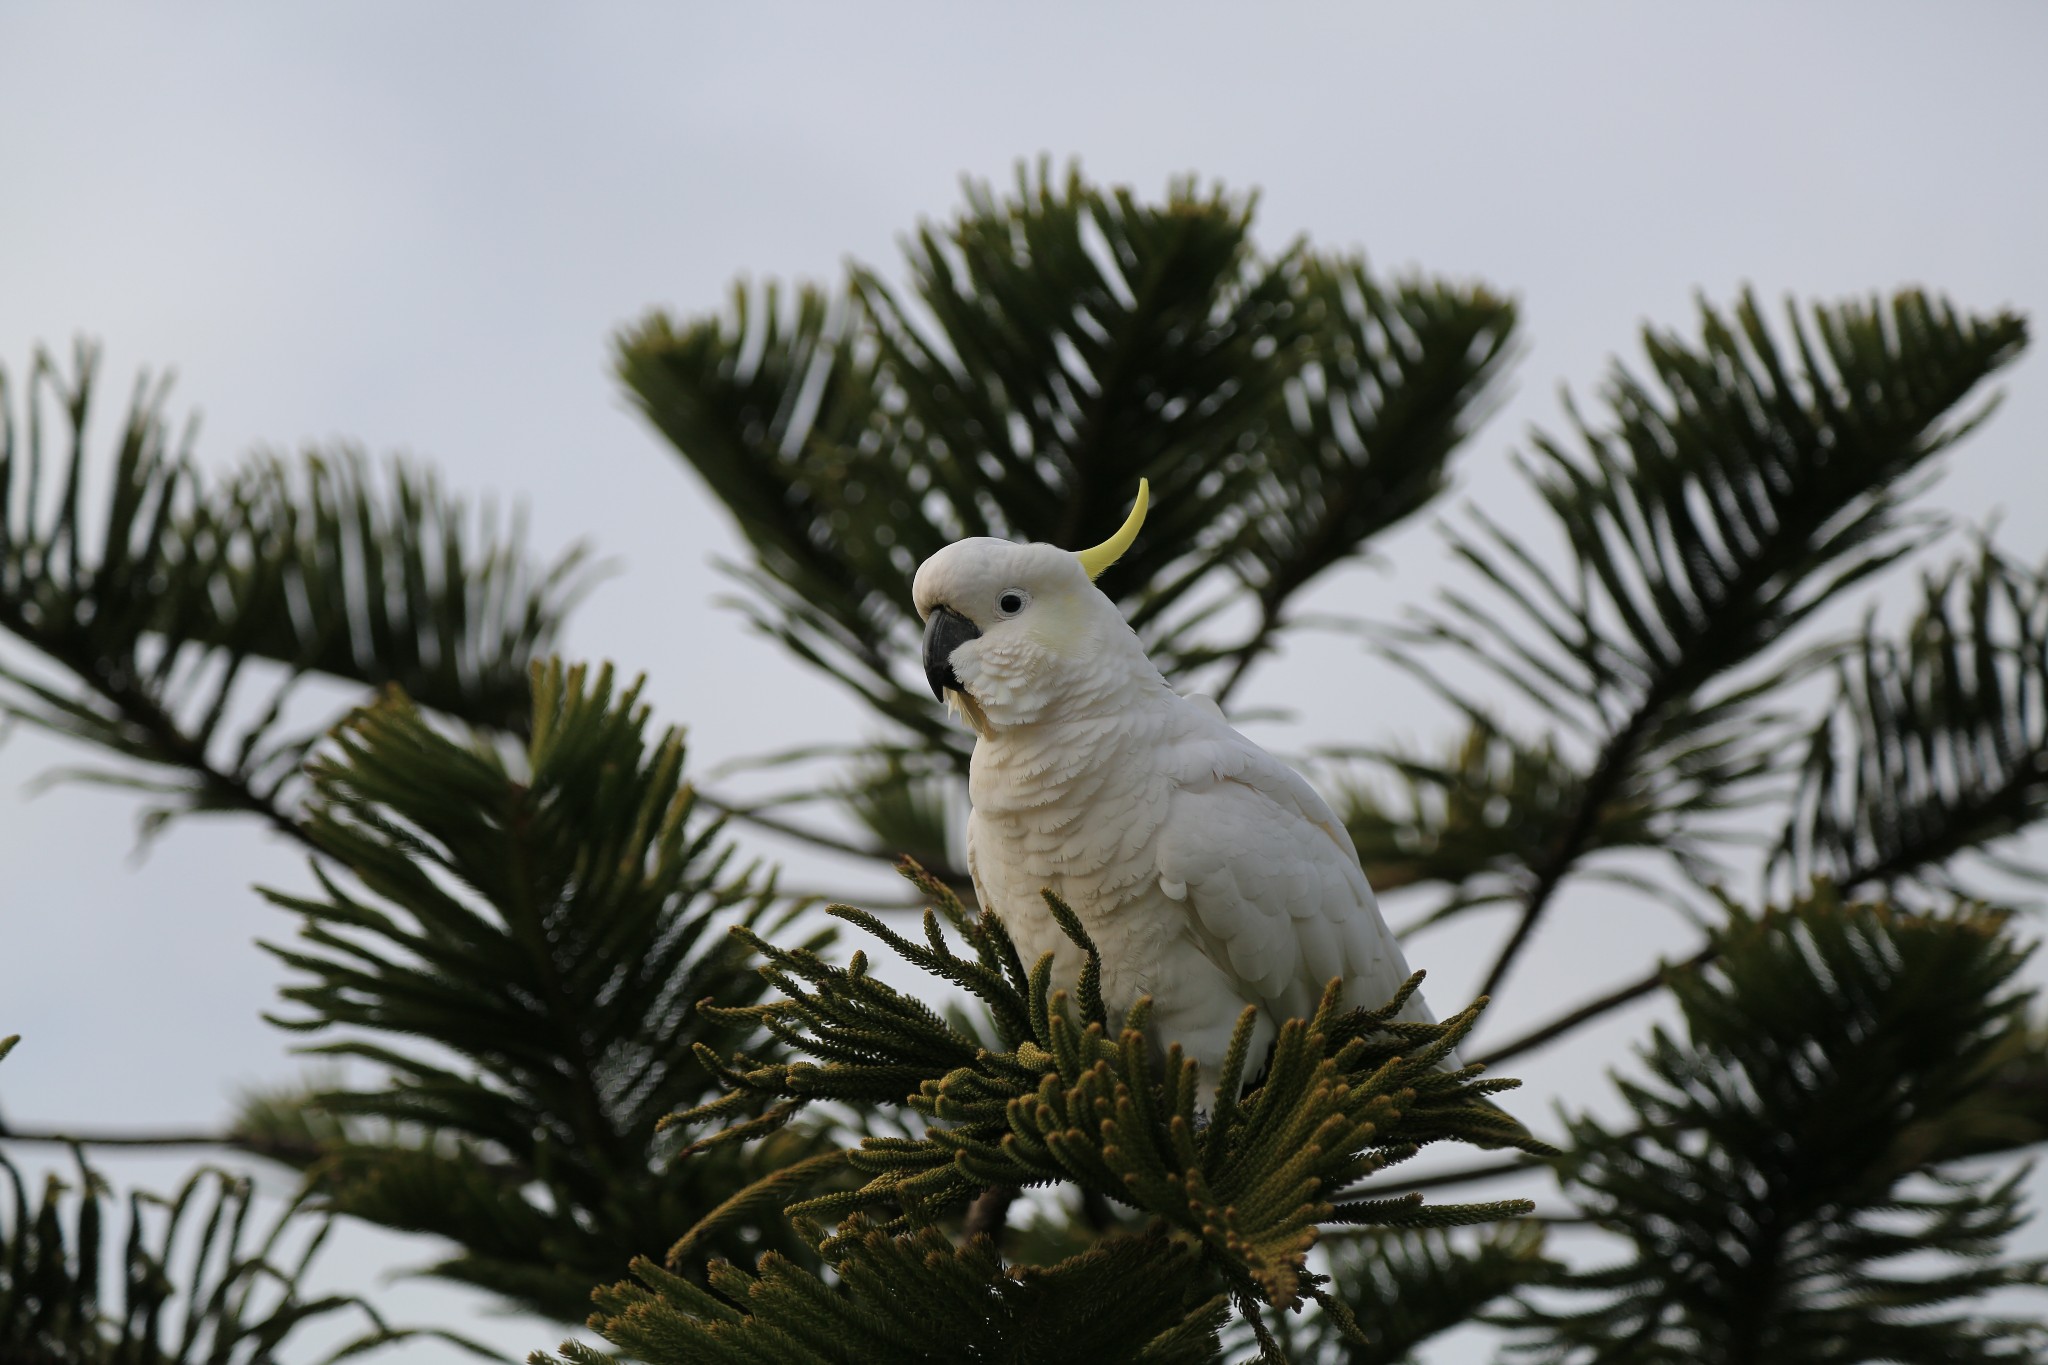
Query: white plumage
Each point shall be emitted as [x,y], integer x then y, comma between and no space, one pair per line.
[1208,873]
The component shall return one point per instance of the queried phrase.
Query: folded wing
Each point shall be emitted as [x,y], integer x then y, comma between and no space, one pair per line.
[1270,877]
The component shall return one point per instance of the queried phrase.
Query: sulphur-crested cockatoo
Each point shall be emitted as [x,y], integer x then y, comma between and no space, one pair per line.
[1208,873]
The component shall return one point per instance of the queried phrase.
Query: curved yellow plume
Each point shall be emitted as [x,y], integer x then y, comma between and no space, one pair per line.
[1111,550]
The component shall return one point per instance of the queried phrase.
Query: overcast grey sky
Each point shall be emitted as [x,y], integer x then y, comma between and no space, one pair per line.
[416,226]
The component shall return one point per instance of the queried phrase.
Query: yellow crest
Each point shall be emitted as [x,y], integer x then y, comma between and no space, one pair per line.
[1111,550]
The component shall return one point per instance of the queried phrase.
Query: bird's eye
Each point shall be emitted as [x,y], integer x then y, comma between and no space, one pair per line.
[1012,601]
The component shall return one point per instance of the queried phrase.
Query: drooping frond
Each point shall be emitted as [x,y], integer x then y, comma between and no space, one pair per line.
[1787,1181]
[520,943]
[1937,744]
[185,611]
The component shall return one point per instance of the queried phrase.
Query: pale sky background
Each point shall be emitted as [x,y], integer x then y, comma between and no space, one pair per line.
[416,227]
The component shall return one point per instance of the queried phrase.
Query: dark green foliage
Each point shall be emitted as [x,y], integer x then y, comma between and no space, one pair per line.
[1786,1187]
[518,909]
[1066,1095]
[1472,822]
[196,1285]
[1403,1288]
[524,959]
[1060,345]
[1726,499]
[908,804]
[1937,744]
[159,601]
[920,1298]
[1748,481]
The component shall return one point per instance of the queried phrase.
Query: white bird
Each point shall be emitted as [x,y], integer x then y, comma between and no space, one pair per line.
[1208,873]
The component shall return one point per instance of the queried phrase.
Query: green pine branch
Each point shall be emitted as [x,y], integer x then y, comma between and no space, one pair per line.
[908,802]
[1048,1089]
[171,624]
[901,1299]
[1935,748]
[1403,1288]
[1728,497]
[518,942]
[1464,822]
[194,1281]
[1937,744]
[1394,381]
[1787,1186]
[1054,347]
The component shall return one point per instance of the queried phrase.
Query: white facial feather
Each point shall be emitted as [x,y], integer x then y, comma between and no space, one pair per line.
[1068,651]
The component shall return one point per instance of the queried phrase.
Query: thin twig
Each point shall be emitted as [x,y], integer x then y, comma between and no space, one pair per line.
[277,1149]
[1593,1009]
[1647,985]
[175,747]
[1570,845]
[1469,1175]
[818,839]
[813,837]
[189,753]
[1323,546]
[1247,653]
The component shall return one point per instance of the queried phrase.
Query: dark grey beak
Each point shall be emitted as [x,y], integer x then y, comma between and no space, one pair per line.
[945,630]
